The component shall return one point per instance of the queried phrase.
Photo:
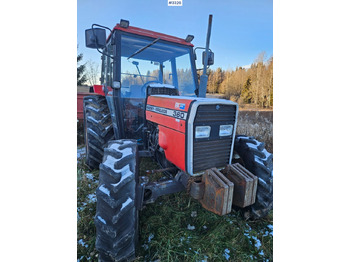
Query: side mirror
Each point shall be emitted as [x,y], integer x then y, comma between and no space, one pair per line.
[95,38]
[210,58]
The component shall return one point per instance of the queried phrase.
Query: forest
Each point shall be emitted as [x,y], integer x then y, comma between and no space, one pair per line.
[247,86]
[252,85]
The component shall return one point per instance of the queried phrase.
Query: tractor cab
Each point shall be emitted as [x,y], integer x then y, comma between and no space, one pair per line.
[162,63]
[134,59]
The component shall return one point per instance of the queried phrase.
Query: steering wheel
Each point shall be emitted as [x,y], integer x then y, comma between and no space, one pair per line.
[144,87]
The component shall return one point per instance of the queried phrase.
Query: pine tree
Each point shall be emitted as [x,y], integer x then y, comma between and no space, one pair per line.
[81,77]
[247,93]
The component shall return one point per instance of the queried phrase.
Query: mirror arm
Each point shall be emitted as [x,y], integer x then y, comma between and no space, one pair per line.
[105,27]
[103,53]
[194,51]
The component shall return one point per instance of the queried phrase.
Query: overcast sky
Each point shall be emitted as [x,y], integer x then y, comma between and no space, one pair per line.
[241,28]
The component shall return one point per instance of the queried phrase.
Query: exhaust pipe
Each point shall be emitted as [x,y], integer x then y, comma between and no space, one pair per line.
[204,78]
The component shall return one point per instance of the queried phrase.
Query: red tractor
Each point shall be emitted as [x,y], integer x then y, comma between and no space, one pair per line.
[150,104]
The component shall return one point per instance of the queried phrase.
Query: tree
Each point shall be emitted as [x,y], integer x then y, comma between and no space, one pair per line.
[234,82]
[270,82]
[251,85]
[92,73]
[218,78]
[81,77]
[247,93]
[210,84]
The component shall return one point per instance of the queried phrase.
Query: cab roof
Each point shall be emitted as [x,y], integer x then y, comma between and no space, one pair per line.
[149,33]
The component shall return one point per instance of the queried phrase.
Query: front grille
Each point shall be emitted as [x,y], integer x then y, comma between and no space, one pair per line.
[208,154]
[214,151]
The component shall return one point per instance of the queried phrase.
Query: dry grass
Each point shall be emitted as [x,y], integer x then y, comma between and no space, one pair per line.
[258,124]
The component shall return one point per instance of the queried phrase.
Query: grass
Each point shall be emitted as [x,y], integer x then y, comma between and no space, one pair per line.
[86,209]
[176,227]
[258,124]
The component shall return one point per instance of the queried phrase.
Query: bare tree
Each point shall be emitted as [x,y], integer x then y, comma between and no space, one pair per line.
[92,72]
[270,82]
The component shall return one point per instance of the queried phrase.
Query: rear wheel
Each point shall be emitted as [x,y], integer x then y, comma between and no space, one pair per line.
[116,217]
[253,155]
[98,128]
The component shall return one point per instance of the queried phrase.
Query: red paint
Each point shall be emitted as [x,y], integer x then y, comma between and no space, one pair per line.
[98,89]
[149,33]
[173,143]
[172,131]
[169,102]
[168,121]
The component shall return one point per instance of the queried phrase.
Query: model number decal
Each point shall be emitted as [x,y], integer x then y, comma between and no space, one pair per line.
[178,114]
[167,112]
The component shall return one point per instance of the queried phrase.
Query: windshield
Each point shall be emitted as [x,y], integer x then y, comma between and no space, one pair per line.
[158,63]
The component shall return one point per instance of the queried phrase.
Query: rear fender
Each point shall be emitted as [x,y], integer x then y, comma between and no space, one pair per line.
[98,89]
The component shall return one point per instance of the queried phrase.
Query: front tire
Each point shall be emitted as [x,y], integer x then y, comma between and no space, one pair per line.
[253,155]
[116,217]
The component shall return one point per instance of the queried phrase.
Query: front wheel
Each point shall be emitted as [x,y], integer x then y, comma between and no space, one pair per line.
[116,217]
[253,155]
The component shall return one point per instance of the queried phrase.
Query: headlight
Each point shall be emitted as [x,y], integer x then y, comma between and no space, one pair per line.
[202,131]
[226,130]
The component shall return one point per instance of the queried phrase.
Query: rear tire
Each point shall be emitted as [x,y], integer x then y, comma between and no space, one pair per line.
[253,155]
[116,217]
[98,128]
